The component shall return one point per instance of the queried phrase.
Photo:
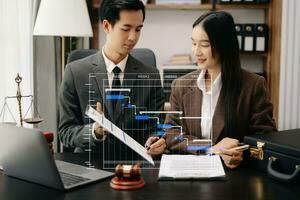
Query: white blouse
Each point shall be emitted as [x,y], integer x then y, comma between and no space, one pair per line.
[209,101]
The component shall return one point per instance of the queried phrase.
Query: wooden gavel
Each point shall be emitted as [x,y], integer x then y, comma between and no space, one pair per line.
[128,171]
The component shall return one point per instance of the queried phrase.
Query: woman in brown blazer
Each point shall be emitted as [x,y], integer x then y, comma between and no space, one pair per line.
[220,101]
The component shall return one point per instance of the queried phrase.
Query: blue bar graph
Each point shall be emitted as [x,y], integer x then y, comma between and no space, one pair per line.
[141,117]
[114,97]
[164,126]
[197,147]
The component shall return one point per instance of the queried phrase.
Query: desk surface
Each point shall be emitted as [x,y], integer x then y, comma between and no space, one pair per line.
[242,183]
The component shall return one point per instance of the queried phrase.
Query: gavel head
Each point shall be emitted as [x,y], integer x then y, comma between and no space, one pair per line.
[128,171]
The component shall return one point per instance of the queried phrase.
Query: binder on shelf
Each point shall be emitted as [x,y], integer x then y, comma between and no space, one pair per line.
[249,1]
[236,1]
[261,37]
[248,39]
[224,1]
[239,33]
[262,1]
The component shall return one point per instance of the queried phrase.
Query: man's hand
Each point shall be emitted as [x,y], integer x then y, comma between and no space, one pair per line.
[155,146]
[99,131]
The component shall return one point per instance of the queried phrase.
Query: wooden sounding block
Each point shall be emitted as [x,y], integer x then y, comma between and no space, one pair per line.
[128,177]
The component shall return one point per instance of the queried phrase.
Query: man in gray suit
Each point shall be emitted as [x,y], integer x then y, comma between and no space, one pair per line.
[88,81]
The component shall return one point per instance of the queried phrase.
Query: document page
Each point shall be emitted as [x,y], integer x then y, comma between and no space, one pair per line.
[191,167]
[118,133]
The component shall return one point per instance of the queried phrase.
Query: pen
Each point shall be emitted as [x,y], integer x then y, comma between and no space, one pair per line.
[238,148]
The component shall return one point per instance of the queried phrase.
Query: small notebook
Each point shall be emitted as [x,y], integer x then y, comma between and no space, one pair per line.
[191,167]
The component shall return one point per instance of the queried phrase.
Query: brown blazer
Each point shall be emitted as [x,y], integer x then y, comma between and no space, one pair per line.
[254,109]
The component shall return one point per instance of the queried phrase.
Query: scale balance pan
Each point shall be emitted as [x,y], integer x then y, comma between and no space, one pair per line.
[33,120]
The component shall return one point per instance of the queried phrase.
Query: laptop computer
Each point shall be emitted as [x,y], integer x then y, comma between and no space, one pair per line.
[24,154]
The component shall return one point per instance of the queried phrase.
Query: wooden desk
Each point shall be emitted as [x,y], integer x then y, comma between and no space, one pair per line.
[243,183]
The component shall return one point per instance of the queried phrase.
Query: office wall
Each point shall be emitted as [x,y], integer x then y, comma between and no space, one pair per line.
[289,99]
[45,79]
[168,32]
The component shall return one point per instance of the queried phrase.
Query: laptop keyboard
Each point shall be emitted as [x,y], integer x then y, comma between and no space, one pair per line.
[71,168]
[70,179]
[67,171]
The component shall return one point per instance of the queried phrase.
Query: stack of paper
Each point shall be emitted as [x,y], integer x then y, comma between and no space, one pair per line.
[191,167]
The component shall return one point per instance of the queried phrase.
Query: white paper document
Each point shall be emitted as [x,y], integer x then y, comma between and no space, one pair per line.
[118,133]
[191,167]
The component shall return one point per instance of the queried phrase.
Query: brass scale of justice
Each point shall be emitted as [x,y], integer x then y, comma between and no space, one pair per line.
[35,119]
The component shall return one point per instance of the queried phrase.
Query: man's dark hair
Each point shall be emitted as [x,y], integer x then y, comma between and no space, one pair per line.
[220,28]
[110,9]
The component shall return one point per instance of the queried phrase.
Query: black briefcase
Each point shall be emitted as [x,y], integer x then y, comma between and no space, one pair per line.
[276,153]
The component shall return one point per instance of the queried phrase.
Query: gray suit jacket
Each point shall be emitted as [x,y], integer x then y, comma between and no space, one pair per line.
[254,110]
[84,82]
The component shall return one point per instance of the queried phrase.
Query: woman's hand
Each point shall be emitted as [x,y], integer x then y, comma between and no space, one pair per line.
[231,158]
[225,143]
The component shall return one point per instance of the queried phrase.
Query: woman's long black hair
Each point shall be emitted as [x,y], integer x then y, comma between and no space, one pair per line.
[220,28]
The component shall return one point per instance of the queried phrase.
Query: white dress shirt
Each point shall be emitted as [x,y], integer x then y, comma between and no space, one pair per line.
[110,67]
[110,74]
[209,101]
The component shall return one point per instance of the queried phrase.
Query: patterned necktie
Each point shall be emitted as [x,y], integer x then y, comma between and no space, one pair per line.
[116,84]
